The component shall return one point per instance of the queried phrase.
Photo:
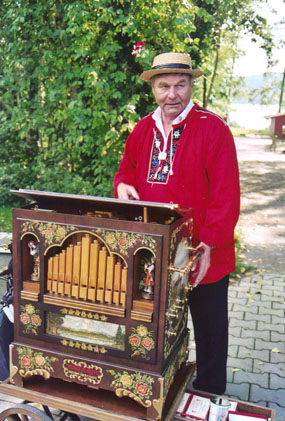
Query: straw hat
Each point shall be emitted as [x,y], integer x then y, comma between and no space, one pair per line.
[171,63]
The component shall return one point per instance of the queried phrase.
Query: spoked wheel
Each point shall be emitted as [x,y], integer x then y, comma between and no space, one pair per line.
[23,412]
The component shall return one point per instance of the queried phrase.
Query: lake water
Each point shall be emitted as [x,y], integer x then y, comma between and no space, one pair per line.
[251,116]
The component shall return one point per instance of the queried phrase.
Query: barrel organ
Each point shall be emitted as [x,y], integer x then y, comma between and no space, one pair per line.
[101,294]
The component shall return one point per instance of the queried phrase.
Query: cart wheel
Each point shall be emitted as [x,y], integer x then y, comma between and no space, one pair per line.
[24,412]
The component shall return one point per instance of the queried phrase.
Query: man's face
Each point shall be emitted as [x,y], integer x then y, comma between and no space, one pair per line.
[172,93]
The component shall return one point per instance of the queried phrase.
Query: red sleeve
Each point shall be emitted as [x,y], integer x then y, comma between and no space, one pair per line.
[224,190]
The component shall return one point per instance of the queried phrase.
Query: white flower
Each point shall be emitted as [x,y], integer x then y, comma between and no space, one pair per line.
[157,144]
[176,134]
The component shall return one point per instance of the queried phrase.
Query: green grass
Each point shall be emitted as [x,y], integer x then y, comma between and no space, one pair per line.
[6,222]
[242,132]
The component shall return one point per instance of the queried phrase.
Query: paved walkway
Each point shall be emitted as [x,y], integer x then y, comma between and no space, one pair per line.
[256,363]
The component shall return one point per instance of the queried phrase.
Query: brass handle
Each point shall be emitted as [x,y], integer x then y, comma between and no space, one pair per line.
[178,307]
[190,287]
[169,314]
[197,253]
[170,333]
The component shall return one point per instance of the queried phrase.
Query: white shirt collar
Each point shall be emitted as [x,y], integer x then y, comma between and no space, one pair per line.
[158,120]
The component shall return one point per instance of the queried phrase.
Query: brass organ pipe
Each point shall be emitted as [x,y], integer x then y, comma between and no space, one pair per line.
[86,270]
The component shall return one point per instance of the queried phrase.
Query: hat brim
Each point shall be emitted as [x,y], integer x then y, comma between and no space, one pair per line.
[147,75]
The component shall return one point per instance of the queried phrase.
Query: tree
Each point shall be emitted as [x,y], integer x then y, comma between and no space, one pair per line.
[70,89]
[218,27]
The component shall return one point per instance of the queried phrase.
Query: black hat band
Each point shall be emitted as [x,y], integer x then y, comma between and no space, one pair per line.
[172,66]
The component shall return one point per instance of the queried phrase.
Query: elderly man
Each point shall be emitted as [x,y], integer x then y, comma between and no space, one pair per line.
[184,154]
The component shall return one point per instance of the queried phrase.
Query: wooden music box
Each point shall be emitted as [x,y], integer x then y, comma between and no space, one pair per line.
[101,294]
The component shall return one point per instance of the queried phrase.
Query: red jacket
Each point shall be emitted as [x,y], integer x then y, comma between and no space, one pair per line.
[205,177]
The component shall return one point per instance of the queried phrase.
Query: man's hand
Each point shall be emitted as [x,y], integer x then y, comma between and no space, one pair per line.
[204,263]
[125,191]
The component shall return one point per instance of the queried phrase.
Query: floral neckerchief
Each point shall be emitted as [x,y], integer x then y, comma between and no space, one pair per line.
[160,168]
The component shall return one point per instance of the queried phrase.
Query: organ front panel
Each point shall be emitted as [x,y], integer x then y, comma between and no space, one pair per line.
[100,293]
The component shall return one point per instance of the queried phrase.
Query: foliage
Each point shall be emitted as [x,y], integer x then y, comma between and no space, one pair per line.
[241,266]
[261,89]
[70,88]
[70,91]
[219,24]
[6,219]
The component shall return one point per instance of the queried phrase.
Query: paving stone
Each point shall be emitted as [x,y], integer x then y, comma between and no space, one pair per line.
[266,318]
[246,342]
[234,331]
[238,391]
[272,276]
[277,305]
[238,300]
[264,334]
[277,382]
[262,355]
[278,294]
[278,282]
[278,286]
[258,393]
[233,350]
[245,364]
[277,357]
[237,315]
[259,344]
[267,298]
[245,324]
[276,336]
[245,309]
[251,378]
[269,326]
[278,319]
[267,367]
[263,304]
[231,292]
[230,375]
[274,312]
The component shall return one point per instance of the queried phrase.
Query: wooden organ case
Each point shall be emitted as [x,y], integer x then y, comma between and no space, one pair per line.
[101,294]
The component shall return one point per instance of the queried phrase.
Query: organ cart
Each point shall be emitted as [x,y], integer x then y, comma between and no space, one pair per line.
[100,299]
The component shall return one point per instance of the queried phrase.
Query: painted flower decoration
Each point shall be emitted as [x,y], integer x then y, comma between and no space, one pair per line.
[142,330]
[40,360]
[148,344]
[138,383]
[142,389]
[30,318]
[141,341]
[135,340]
[31,360]
[126,380]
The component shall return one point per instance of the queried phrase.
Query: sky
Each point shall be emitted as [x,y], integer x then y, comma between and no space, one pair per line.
[254,61]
